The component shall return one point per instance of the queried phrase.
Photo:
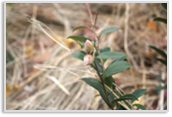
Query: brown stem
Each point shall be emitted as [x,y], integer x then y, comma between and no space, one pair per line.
[103,85]
[96,38]
[90,13]
[97,46]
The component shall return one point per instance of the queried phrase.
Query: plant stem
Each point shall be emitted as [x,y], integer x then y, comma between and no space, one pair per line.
[97,46]
[103,85]
[96,38]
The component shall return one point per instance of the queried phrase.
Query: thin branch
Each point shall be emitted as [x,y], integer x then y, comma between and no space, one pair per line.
[90,13]
[103,85]
[94,31]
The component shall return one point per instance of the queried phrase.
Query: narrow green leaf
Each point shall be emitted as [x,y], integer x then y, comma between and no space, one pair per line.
[80,39]
[139,92]
[92,82]
[162,61]
[115,68]
[81,27]
[104,98]
[95,84]
[111,98]
[99,66]
[164,5]
[113,86]
[79,55]
[125,97]
[140,106]
[159,88]
[96,81]
[106,49]
[121,108]
[9,56]
[162,53]
[108,81]
[108,55]
[118,59]
[108,30]
[81,44]
[159,78]
[161,19]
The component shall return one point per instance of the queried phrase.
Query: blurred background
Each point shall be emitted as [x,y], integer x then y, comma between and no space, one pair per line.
[41,75]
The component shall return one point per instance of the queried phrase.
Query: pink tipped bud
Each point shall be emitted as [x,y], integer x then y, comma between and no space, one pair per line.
[88,46]
[88,59]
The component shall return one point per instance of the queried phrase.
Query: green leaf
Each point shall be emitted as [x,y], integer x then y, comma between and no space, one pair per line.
[164,5]
[115,68]
[162,53]
[140,106]
[111,98]
[108,81]
[108,55]
[159,78]
[79,55]
[113,86]
[121,108]
[80,39]
[99,66]
[125,97]
[162,61]
[139,92]
[9,56]
[108,30]
[106,49]
[81,27]
[118,59]
[95,83]
[81,44]
[159,88]
[161,19]
[104,98]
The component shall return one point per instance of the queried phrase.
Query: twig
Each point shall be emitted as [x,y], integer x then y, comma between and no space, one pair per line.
[90,13]
[103,85]
[97,46]
[96,38]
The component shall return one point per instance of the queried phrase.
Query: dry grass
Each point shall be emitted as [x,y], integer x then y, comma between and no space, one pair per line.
[40,74]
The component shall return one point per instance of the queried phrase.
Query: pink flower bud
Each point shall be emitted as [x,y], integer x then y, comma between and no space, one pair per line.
[88,46]
[88,59]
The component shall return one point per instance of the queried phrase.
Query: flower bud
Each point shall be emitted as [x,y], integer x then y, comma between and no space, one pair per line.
[88,46]
[88,59]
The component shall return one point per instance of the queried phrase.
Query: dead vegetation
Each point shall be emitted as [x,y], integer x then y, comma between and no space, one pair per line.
[40,74]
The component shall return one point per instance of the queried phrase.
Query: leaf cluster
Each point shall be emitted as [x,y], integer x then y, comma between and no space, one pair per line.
[106,80]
